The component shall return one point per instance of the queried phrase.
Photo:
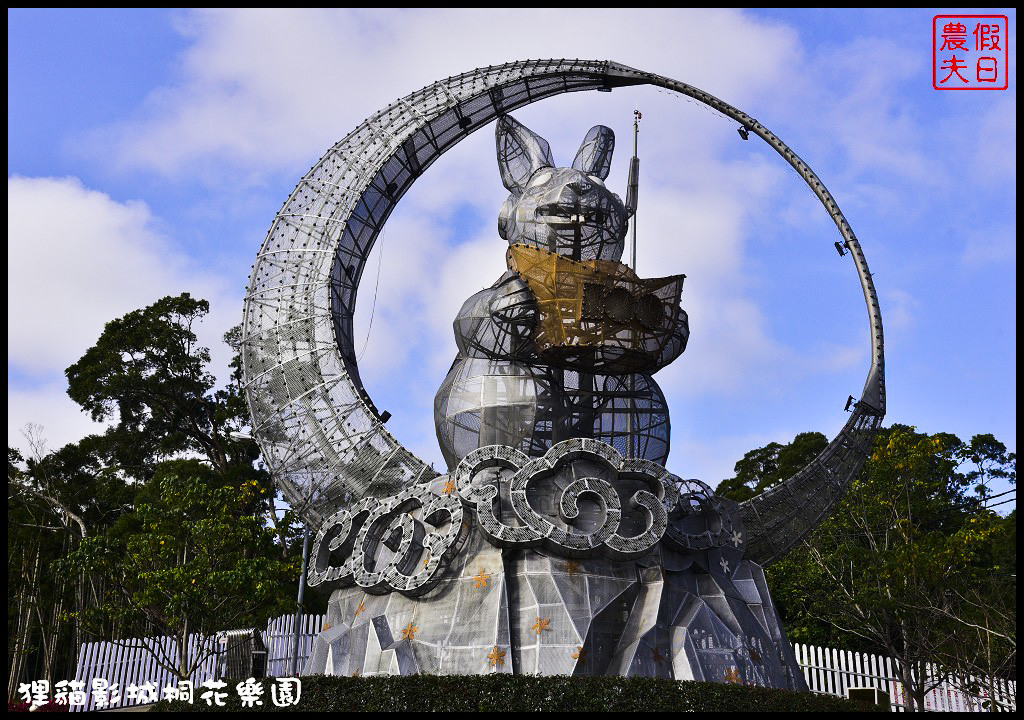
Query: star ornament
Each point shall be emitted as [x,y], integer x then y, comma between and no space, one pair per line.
[725,565]
[449,487]
[737,538]
[579,654]
[409,631]
[541,625]
[482,579]
[497,657]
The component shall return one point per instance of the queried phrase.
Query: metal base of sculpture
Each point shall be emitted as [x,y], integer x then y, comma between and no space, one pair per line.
[688,606]
[572,618]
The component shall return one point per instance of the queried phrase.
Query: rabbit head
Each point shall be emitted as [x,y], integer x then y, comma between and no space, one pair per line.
[565,210]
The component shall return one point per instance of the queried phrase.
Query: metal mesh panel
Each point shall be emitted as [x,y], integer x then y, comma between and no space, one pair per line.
[553,358]
[781,516]
[552,323]
[498,322]
[491,402]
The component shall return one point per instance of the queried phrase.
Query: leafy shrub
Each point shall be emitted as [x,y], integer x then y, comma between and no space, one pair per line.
[527,693]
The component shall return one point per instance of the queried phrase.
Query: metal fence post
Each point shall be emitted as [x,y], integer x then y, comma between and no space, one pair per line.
[302,591]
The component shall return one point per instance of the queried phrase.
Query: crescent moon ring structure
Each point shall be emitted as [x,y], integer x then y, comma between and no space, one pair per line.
[320,433]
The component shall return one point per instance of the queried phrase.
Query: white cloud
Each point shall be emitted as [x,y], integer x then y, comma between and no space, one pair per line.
[899,308]
[863,128]
[61,421]
[249,96]
[990,244]
[76,260]
[261,88]
[993,154]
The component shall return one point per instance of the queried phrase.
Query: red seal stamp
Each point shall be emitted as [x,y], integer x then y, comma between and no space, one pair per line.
[970,52]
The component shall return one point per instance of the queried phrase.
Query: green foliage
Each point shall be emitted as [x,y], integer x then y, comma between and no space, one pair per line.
[119,535]
[147,370]
[897,567]
[503,692]
[766,467]
[191,557]
[53,501]
[990,461]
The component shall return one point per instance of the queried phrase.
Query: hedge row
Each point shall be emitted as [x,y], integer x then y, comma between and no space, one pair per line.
[526,693]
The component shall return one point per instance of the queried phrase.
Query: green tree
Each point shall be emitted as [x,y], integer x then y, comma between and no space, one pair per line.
[149,371]
[53,501]
[194,554]
[984,613]
[897,566]
[192,557]
[95,499]
[766,467]
[989,461]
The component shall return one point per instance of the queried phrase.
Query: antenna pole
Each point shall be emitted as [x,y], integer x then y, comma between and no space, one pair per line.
[632,190]
[634,171]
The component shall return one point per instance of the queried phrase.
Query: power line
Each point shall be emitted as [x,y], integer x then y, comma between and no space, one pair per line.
[993,497]
[373,308]
[1002,503]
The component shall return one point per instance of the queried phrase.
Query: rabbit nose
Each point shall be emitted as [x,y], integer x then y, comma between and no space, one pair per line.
[581,186]
[572,192]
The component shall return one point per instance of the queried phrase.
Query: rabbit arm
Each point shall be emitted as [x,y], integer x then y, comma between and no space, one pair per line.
[498,322]
[676,343]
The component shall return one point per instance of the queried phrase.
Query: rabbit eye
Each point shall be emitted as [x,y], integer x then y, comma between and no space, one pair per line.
[540,179]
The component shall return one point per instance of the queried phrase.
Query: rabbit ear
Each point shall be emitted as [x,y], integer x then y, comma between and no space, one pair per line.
[595,154]
[521,153]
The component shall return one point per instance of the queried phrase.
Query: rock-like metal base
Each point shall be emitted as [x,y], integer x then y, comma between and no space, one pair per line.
[698,615]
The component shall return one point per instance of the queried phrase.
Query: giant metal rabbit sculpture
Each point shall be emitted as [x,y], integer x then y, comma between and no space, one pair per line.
[497,566]
[564,343]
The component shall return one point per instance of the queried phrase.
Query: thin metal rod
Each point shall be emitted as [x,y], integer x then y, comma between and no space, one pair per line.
[302,592]
[636,136]
[632,381]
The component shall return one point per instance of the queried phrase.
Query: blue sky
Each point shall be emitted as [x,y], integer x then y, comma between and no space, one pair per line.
[148,151]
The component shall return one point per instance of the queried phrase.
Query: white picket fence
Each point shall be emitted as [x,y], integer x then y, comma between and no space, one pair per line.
[130,662]
[280,641]
[133,662]
[831,672]
[826,670]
